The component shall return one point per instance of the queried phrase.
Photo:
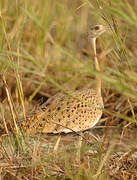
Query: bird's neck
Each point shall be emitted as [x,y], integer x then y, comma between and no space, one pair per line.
[97,67]
[98,82]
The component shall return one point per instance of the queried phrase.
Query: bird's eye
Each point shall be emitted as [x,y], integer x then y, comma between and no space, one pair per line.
[96,27]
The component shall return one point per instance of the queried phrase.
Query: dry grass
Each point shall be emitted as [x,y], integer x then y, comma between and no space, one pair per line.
[44,49]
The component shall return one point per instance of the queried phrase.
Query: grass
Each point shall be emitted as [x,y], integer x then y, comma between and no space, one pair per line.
[43,50]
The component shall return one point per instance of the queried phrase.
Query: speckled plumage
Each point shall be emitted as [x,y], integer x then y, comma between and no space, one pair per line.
[63,113]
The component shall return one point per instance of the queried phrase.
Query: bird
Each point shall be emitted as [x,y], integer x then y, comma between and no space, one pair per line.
[73,111]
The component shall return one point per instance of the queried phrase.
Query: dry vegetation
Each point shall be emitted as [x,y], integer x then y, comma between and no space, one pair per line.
[44,50]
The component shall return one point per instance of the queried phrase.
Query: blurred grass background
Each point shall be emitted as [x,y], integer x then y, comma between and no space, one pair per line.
[44,49]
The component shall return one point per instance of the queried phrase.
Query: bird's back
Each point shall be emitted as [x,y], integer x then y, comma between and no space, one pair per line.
[75,111]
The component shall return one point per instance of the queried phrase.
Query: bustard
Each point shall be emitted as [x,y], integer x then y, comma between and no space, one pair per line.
[79,111]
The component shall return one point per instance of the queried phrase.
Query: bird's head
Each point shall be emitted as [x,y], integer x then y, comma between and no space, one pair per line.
[96,30]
